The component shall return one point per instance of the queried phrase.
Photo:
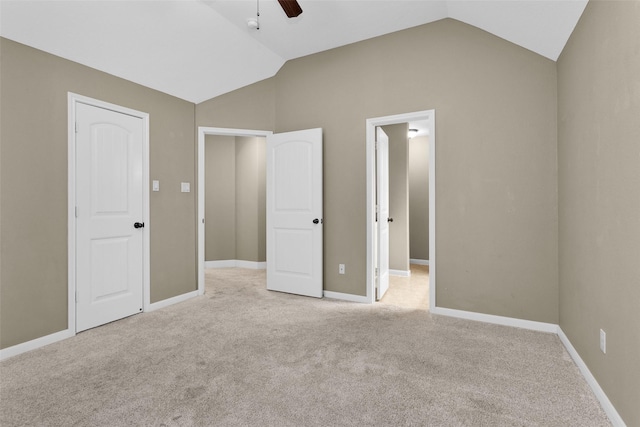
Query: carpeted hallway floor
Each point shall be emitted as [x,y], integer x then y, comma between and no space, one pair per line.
[244,356]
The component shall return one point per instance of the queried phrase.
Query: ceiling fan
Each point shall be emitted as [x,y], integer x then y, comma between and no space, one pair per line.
[290,7]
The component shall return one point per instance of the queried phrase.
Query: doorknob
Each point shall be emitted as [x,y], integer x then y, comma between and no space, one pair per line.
[389,219]
[316,221]
[139,225]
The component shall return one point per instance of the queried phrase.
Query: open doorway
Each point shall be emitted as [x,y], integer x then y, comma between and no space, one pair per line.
[235,188]
[423,256]
[408,229]
[240,147]
[294,232]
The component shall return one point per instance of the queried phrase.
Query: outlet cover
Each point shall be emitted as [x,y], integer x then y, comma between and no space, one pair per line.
[341,269]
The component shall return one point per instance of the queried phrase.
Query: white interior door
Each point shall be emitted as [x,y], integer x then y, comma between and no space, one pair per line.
[382,174]
[294,212]
[109,224]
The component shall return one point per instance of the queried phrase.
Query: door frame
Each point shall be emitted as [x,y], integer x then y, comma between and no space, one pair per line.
[428,116]
[72,100]
[203,131]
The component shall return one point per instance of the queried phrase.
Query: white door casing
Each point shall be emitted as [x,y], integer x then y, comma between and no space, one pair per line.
[294,212]
[203,131]
[109,201]
[371,124]
[382,178]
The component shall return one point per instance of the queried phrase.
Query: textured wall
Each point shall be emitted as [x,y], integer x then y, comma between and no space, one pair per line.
[496,158]
[496,174]
[235,206]
[34,85]
[599,193]
[220,198]
[250,199]
[419,197]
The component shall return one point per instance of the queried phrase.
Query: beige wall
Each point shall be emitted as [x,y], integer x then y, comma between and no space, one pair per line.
[419,197]
[398,196]
[33,249]
[235,211]
[497,180]
[496,122]
[599,190]
[252,107]
[220,198]
[250,199]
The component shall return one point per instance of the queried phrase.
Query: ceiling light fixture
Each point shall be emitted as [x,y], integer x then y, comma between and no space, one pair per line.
[412,133]
[253,24]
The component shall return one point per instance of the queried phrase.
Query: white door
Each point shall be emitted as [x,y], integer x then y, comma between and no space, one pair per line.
[294,212]
[382,173]
[109,223]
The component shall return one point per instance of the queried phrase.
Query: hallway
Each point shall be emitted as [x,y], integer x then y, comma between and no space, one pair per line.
[409,292]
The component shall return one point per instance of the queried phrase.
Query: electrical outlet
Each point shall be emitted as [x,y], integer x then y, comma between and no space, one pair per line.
[341,269]
[603,341]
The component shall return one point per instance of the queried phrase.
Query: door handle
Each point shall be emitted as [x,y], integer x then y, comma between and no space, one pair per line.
[389,219]
[139,225]
[317,221]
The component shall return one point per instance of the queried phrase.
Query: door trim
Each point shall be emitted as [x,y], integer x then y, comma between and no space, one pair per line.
[203,131]
[371,124]
[72,100]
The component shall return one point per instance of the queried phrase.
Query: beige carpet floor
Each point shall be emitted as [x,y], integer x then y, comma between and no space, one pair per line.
[244,356]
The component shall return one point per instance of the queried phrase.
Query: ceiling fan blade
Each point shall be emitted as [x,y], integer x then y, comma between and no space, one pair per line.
[291,7]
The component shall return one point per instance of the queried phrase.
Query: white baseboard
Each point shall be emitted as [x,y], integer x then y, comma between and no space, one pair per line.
[24,347]
[419,261]
[34,344]
[608,407]
[346,297]
[400,273]
[235,263]
[170,301]
[220,264]
[251,264]
[497,320]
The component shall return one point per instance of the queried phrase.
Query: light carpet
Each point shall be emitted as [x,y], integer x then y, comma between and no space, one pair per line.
[244,356]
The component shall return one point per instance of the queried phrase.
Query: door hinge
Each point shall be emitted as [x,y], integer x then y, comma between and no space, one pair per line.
[76,127]
[76,212]
[76,296]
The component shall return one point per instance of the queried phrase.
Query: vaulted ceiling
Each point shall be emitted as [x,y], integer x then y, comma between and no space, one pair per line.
[199,49]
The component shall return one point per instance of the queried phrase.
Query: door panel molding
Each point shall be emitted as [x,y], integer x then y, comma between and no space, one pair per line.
[73,100]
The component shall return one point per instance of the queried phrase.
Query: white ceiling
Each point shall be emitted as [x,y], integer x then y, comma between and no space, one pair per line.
[199,49]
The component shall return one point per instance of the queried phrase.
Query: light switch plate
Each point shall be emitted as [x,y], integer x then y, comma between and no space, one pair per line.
[156,185]
[185,187]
